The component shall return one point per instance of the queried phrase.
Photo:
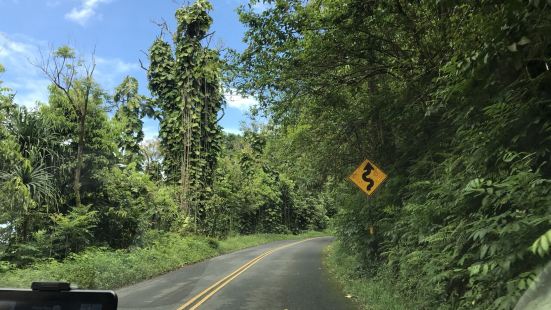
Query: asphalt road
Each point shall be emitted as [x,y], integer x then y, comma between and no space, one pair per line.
[279,275]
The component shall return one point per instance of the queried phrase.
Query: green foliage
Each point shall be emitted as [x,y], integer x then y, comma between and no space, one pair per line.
[451,99]
[239,242]
[83,198]
[164,213]
[541,245]
[186,83]
[128,117]
[65,52]
[72,232]
[17,207]
[39,156]
[130,205]
[251,196]
[365,291]
[109,269]
[73,80]
[99,150]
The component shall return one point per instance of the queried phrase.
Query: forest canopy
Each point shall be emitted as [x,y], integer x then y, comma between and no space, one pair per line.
[76,173]
[451,98]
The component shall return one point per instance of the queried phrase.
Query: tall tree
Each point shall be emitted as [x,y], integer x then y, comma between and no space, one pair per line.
[74,78]
[129,115]
[186,84]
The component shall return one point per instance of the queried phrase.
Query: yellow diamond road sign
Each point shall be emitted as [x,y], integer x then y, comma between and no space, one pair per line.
[368,177]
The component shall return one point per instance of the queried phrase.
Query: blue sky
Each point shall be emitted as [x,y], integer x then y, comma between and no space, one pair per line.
[119,31]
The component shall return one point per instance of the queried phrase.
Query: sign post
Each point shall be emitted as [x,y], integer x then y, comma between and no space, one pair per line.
[368,177]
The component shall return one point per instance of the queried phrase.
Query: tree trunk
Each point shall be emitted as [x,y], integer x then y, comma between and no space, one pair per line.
[184,168]
[80,151]
[25,227]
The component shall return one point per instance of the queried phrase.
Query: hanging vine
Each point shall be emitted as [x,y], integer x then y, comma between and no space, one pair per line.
[185,81]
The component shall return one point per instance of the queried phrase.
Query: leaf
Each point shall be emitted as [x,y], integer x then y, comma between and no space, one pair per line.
[545,244]
[483,251]
[522,284]
[474,269]
[523,41]
[512,48]
[541,245]
[485,269]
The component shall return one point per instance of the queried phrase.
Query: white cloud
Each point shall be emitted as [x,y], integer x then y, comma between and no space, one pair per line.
[238,101]
[150,131]
[21,75]
[86,11]
[117,65]
[13,50]
[17,53]
[32,92]
[111,71]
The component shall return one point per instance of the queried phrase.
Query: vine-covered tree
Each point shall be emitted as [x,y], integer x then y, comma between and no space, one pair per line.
[186,83]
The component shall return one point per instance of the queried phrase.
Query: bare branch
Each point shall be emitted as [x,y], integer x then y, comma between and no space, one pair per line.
[54,73]
[142,66]
[164,26]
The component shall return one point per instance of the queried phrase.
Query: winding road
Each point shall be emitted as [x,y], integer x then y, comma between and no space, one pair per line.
[278,275]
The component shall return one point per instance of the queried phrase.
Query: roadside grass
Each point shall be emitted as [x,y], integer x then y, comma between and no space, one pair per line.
[368,293]
[103,268]
[240,242]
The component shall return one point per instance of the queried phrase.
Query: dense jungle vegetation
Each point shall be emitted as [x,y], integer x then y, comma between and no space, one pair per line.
[451,98]
[76,174]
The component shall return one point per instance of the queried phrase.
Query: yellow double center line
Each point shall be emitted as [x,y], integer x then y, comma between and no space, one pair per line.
[211,290]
